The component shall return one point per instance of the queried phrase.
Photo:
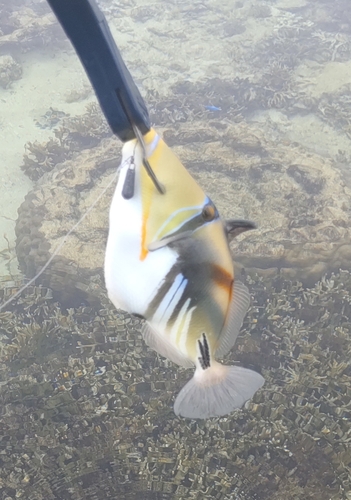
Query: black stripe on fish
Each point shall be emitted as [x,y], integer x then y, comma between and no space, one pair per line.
[180,304]
[162,291]
[175,292]
[193,264]
[204,359]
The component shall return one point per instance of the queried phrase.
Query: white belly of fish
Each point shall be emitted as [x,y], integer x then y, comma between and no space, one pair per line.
[132,283]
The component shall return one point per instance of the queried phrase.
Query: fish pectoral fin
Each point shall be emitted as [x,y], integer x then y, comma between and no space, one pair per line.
[160,344]
[235,227]
[156,245]
[237,310]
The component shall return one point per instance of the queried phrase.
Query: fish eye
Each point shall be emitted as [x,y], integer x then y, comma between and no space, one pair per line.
[208,212]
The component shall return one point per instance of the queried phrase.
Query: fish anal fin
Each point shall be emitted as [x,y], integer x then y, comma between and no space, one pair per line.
[217,391]
[238,307]
[160,344]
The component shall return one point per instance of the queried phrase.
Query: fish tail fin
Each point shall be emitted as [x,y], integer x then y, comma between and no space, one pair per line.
[217,391]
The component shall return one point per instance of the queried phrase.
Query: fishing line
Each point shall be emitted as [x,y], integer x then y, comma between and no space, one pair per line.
[58,248]
[160,188]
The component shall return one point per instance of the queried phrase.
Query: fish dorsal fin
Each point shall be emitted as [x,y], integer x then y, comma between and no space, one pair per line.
[160,344]
[237,310]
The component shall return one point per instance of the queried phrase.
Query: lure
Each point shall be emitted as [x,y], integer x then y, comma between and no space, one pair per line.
[213,108]
[168,261]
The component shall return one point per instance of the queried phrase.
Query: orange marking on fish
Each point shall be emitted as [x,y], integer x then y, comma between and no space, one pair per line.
[144,250]
[222,278]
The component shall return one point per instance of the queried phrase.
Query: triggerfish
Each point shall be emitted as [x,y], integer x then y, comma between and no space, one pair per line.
[168,261]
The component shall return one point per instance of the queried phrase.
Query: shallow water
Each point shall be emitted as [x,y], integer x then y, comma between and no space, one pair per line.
[86,408]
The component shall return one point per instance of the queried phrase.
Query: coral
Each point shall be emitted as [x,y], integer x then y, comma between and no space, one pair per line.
[74,134]
[51,118]
[27,27]
[290,45]
[80,386]
[334,109]
[84,131]
[41,158]
[10,71]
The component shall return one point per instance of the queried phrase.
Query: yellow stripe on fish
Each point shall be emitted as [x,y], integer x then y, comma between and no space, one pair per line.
[161,219]
[168,260]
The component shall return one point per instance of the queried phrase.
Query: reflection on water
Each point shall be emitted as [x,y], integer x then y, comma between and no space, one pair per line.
[254,97]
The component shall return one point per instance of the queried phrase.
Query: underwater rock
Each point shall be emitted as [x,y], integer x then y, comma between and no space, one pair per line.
[10,71]
[27,27]
[299,200]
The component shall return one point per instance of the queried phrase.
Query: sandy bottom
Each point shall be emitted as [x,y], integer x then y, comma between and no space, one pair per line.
[47,79]
[309,131]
